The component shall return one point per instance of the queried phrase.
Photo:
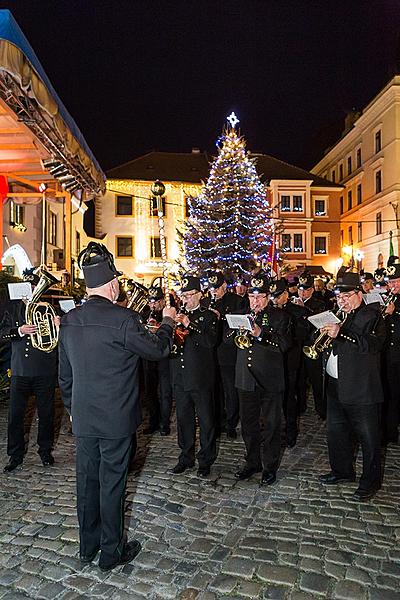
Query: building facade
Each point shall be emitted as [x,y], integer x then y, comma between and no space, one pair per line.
[366,161]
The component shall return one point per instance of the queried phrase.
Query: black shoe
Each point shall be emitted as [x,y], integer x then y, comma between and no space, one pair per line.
[247,472]
[203,471]
[231,434]
[363,495]
[332,479]
[165,431]
[47,459]
[291,442]
[268,478]
[150,429]
[88,558]
[181,468]
[14,463]
[130,552]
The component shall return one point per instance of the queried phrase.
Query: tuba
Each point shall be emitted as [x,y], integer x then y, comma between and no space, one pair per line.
[137,296]
[323,341]
[42,314]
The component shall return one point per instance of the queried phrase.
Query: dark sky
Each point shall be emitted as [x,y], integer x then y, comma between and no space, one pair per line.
[139,75]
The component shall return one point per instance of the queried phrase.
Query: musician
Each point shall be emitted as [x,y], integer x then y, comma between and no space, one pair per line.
[240,285]
[367,281]
[292,287]
[354,389]
[32,372]
[193,379]
[279,296]
[157,379]
[260,380]
[380,280]
[391,357]
[321,293]
[100,346]
[310,369]
[228,400]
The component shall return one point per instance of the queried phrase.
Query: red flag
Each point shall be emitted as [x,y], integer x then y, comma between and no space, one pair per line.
[3,188]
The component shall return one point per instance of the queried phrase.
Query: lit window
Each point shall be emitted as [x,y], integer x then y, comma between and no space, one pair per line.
[298,203]
[17,214]
[124,246]
[286,242]
[285,203]
[154,206]
[320,210]
[155,247]
[52,228]
[298,242]
[124,205]
[320,245]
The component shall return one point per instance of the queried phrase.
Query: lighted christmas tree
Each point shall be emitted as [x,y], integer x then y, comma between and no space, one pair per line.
[229,225]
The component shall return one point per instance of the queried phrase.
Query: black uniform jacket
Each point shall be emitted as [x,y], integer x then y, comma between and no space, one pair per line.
[392,344]
[262,364]
[26,361]
[358,348]
[193,365]
[300,328]
[228,304]
[100,346]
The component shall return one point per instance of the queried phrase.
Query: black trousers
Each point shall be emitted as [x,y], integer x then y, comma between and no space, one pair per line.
[20,390]
[230,396]
[260,415]
[188,405]
[347,423]
[391,405]
[290,408]
[158,392]
[101,472]
[311,370]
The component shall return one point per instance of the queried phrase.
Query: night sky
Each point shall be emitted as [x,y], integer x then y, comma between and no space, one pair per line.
[142,75]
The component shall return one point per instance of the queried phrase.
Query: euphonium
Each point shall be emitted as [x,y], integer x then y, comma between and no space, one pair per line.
[137,296]
[42,314]
[323,341]
[242,338]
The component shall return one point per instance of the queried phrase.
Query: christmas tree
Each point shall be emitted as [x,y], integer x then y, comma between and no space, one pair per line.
[229,225]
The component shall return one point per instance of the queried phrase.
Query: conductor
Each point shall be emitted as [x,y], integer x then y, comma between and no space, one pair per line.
[100,346]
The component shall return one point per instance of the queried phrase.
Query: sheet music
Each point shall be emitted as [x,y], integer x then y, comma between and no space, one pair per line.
[240,322]
[324,318]
[66,305]
[18,291]
[373,297]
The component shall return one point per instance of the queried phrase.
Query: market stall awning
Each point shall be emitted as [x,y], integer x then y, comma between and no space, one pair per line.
[36,108]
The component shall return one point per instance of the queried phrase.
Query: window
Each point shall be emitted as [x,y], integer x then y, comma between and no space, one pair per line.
[359,231]
[186,208]
[349,166]
[341,237]
[378,182]
[17,213]
[349,200]
[124,246]
[333,178]
[298,242]
[358,158]
[124,205]
[378,141]
[341,205]
[350,235]
[378,223]
[320,245]
[359,194]
[155,247]
[286,242]
[77,242]
[340,172]
[154,207]
[52,228]
[285,203]
[297,203]
[320,210]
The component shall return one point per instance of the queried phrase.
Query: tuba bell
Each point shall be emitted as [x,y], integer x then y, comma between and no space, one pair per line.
[137,296]
[42,314]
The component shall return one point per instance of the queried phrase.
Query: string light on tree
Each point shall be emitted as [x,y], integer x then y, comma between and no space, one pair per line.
[230,221]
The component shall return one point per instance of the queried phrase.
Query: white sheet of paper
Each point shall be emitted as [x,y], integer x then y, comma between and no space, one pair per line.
[239,322]
[17,291]
[373,297]
[323,318]
[66,305]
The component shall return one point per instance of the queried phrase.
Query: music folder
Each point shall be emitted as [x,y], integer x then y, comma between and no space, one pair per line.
[240,322]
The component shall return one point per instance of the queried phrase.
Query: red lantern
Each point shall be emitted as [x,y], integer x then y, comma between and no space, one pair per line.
[3,188]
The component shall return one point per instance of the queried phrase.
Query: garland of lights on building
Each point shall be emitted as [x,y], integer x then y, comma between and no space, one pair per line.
[229,226]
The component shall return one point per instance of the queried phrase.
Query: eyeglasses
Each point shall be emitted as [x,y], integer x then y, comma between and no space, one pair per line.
[189,294]
[346,295]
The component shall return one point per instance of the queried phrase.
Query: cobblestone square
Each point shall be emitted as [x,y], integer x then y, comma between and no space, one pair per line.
[208,538]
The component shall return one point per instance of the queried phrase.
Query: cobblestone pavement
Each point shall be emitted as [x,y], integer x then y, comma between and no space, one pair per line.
[205,539]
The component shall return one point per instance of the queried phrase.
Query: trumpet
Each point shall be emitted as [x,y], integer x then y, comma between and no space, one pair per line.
[389,298]
[180,332]
[323,341]
[242,339]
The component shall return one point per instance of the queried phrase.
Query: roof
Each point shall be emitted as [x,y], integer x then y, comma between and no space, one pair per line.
[190,167]
[20,61]
[269,168]
[194,167]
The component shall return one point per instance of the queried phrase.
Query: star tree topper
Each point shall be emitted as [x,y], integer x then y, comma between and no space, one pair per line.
[233,120]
